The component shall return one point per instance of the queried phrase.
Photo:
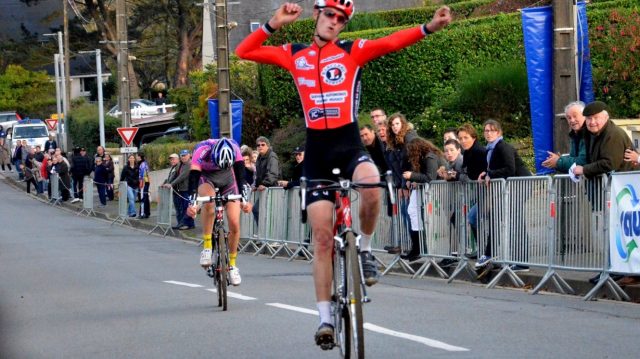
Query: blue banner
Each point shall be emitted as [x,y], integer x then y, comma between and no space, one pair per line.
[537,27]
[236,119]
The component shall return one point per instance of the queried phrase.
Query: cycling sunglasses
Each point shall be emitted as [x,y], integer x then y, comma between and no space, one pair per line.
[331,14]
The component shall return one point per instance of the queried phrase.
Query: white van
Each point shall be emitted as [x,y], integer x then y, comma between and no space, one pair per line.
[32,130]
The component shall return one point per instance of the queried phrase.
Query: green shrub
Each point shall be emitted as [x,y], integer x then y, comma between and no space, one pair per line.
[84,129]
[157,155]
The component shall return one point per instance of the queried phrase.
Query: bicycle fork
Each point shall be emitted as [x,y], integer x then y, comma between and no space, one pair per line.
[341,246]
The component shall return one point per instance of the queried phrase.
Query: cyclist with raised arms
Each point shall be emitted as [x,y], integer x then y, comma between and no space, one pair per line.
[327,76]
[218,163]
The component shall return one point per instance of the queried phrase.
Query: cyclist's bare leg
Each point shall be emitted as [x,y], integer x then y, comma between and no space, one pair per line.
[207,213]
[320,216]
[233,219]
[369,197]
[369,209]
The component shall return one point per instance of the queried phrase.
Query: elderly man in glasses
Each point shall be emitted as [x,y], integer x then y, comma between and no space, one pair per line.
[267,170]
[327,75]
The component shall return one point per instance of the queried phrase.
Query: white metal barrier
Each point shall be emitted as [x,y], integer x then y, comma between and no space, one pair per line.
[164,210]
[87,197]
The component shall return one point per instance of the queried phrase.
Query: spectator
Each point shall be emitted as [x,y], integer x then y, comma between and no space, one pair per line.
[425,159]
[80,167]
[454,157]
[249,165]
[378,116]
[503,161]
[577,149]
[382,130]
[174,161]
[3,133]
[474,162]
[181,184]
[374,146]
[160,100]
[38,155]
[108,164]
[606,144]
[298,153]
[100,178]
[99,152]
[401,132]
[5,154]
[267,171]
[44,173]
[31,169]
[130,174]
[16,158]
[61,167]
[449,134]
[50,144]
[144,183]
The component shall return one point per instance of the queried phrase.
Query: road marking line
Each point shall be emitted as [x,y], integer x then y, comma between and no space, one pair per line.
[426,341]
[233,295]
[374,328]
[190,285]
[295,309]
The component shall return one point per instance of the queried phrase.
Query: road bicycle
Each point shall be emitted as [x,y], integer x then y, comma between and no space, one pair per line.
[349,290]
[219,269]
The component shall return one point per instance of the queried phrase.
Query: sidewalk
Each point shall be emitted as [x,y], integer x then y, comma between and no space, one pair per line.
[579,281]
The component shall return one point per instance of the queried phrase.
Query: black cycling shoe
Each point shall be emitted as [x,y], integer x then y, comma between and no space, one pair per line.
[369,268]
[324,336]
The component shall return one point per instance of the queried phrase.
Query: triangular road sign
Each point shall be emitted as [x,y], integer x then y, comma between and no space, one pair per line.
[127,134]
[52,123]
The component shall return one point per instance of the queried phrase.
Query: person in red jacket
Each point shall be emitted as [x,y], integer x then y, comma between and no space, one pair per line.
[327,76]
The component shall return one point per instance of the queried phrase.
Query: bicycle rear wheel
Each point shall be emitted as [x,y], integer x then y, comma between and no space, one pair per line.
[354,295]
[222,269]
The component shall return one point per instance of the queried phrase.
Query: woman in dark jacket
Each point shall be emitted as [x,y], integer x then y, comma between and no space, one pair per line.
[425,159]
[130,175]
[399,133]
[108,164]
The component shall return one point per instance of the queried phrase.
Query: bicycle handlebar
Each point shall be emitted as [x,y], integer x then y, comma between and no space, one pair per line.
[224,198]
[344,184]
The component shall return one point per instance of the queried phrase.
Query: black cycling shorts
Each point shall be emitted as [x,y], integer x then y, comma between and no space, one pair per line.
[328,149]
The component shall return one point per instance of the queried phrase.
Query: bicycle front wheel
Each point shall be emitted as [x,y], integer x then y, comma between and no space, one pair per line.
[354,295]
[222,269]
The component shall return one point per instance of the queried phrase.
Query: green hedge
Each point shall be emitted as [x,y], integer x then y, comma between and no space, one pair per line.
[84,129]
[407,80]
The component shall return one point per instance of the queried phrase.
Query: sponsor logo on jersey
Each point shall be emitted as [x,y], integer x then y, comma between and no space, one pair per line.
[312,53]
[361,43]
[318,113]
[306,82]
[302,64]
[334,74]
[329,97]
[332,58]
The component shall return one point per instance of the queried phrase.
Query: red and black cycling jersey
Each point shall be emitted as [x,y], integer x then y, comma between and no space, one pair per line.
[328,77]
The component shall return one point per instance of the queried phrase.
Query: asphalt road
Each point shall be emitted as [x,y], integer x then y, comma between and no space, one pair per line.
[75,287]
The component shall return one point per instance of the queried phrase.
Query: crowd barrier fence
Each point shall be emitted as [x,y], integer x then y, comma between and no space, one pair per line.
[541,222]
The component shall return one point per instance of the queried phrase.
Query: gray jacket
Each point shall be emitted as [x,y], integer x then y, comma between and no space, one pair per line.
[267,170]
[179,177]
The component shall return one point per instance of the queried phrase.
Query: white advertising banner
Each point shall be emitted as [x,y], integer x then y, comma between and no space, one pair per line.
[624,223]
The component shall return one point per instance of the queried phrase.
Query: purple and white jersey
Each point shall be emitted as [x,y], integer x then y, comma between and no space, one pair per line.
[202,155]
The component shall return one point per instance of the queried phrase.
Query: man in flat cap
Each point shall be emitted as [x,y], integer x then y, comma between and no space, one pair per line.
[605,143]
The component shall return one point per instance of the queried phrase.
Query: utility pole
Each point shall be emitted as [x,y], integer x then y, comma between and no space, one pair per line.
[565,65]
[222,51]
[100,100]
[66,87]
[124,100]
[56,61]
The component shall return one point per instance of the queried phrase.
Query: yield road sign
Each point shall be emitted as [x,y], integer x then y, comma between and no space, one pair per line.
[127,134]
[52,123]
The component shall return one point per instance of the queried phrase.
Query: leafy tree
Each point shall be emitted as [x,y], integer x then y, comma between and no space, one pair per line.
[29,93]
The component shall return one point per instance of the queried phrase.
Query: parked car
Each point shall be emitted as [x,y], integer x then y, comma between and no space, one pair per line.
[33,130]
[8,119]
[139,108]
